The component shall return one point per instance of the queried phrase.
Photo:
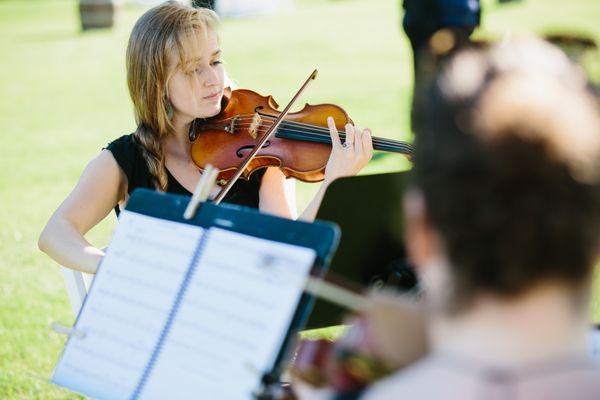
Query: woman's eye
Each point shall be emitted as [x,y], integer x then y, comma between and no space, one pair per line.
[199,68]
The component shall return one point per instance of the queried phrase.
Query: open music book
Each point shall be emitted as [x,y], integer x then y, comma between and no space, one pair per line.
[183,311]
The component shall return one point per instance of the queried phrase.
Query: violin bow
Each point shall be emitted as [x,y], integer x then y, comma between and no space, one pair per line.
[262,141]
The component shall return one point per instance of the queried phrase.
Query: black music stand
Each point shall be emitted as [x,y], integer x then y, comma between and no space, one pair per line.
[371,253]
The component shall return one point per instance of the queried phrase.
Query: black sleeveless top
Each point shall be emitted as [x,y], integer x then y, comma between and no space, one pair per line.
[128,153]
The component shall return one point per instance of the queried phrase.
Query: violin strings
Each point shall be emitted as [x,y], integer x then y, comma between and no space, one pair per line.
[327,139]
[383,144]
[288,133]
[388,144]
[315,131]
[325,131]
[309,127]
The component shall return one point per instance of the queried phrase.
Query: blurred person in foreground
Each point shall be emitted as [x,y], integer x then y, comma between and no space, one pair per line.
[503,222]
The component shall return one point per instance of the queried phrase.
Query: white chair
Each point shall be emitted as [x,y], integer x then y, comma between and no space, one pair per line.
[78,284]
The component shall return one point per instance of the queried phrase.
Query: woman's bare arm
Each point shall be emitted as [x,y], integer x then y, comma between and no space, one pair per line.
[101,186]
[277,194]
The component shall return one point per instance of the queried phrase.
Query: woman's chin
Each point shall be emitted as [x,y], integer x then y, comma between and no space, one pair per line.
[210,111]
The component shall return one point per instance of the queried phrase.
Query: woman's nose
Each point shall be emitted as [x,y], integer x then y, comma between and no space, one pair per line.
[211,77]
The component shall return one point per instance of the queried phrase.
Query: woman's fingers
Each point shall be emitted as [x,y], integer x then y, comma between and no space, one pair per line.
[367,141]
[348,159]
[333,132]
[349,143]
[358,142]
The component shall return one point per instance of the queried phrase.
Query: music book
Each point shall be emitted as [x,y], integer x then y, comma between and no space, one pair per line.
[192,309]
[595,343]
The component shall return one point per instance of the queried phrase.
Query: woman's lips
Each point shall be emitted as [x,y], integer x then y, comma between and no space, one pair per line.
[214,96]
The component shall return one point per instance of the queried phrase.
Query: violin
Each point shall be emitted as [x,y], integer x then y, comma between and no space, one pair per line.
[387,335]
[300,146]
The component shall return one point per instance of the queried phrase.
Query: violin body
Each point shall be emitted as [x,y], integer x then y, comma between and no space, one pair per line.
[225,140]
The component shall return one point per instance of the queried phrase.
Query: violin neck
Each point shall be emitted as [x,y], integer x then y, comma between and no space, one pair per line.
[321,135]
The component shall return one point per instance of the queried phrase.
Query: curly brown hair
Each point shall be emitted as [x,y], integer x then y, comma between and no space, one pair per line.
[508,160]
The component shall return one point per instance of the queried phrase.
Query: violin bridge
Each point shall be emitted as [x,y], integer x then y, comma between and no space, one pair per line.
[254,125]
[231,127]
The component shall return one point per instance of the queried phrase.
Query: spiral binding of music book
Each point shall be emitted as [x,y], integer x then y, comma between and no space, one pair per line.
[184,285]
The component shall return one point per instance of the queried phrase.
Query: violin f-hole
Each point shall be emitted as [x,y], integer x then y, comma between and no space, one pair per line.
[239,151]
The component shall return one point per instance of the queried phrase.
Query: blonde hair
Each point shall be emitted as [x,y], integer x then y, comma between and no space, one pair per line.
[160,32]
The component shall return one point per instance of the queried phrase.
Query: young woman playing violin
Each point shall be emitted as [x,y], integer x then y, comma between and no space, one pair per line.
[175,76]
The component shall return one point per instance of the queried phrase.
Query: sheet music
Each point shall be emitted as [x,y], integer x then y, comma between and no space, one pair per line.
[232,319]
[226,327]
[595,344]
[128,305]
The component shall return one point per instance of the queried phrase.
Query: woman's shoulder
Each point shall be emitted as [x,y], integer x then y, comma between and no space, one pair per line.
[125,145]
[127,152]
[126,149]
[414,381]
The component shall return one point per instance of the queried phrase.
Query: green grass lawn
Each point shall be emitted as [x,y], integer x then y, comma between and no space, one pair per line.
[63,96]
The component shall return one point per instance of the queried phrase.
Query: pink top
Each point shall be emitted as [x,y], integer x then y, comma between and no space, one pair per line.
[453,378]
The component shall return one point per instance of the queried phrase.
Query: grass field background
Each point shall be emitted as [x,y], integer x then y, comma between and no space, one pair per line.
[63,96]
